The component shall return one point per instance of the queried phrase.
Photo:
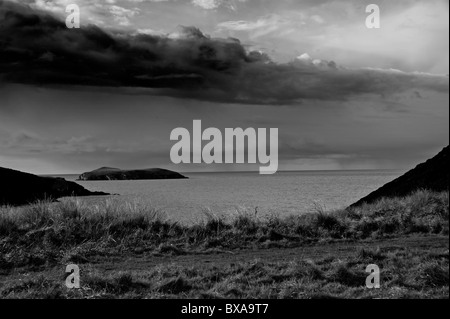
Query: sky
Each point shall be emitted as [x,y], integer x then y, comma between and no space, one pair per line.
[108,94]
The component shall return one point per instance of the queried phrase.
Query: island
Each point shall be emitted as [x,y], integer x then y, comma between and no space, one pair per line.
[116,174]
[18,188]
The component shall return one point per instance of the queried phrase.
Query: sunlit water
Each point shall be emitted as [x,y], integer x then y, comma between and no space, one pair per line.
[286,193]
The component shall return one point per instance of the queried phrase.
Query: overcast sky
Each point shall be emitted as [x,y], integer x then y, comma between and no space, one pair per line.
[343,96]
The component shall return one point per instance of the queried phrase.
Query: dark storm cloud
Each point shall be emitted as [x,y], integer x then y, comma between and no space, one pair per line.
[37,48]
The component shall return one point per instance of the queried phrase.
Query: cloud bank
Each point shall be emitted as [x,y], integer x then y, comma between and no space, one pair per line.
[37,48]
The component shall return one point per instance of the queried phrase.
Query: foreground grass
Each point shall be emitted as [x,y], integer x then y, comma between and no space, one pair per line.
[46,233]
[404,274]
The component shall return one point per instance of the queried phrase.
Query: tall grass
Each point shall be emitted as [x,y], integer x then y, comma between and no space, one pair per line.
[73,230]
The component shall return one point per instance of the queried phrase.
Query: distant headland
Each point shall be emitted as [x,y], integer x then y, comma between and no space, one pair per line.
[116,174]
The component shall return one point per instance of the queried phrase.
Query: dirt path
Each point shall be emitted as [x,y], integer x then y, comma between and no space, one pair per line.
[339,250]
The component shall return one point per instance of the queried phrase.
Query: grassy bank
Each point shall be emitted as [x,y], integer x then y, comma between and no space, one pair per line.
[46,233]
[109,242]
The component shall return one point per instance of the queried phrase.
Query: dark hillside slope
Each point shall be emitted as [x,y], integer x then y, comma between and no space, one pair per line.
[17,188]
[431,175]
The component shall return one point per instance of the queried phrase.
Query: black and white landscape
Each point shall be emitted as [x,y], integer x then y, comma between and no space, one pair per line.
[115,160]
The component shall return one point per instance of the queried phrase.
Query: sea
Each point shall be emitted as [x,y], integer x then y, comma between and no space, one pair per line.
[226,194]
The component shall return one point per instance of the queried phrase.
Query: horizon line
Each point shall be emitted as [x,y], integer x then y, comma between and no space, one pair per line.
[256,171]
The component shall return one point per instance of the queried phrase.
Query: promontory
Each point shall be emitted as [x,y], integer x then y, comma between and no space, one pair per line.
[18,188]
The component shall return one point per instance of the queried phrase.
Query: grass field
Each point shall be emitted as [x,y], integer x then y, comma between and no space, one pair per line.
[37,241]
